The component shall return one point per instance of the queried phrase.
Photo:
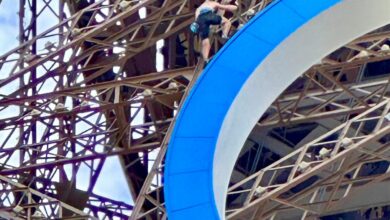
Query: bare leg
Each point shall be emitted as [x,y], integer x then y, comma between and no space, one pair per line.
[206,49]
[226,24]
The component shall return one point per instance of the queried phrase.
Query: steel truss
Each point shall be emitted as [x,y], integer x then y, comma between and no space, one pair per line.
[69,63]
[333,89]
[21,193]
[334,159]
[69,110]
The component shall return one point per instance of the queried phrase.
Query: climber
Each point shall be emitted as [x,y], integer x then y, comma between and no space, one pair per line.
[206,15]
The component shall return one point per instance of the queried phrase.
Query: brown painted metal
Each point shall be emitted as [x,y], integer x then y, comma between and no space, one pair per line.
[73,110]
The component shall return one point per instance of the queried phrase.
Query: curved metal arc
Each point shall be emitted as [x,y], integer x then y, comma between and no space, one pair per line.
[206,140]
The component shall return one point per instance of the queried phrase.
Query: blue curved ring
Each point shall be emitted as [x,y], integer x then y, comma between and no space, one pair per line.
[188,177]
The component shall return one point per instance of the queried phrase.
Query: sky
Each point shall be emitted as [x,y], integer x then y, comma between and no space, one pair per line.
[111,183]
[9,25]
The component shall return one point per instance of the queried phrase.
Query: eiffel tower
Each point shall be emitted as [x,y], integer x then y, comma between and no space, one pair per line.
[91,81]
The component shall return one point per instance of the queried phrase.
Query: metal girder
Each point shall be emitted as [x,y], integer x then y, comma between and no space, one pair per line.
[93,140]
[100,121]
[332,82]
[157,189]
[27,203]
[99,36]
[152,190]
[329,157]
[104,208]
[327,98]
[72,63]
[80,134]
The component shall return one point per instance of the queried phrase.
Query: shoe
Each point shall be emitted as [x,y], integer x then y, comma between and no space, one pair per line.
[224,39]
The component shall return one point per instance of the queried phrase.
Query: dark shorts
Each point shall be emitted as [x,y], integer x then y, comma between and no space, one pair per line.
[205,20]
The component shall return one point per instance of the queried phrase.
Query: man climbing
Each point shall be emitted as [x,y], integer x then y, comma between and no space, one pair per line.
[206,15]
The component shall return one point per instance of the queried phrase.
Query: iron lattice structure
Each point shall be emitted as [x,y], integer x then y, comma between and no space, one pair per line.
[71,97]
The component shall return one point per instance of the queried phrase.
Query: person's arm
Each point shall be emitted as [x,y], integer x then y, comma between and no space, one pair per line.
[196,13]
[226,7]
